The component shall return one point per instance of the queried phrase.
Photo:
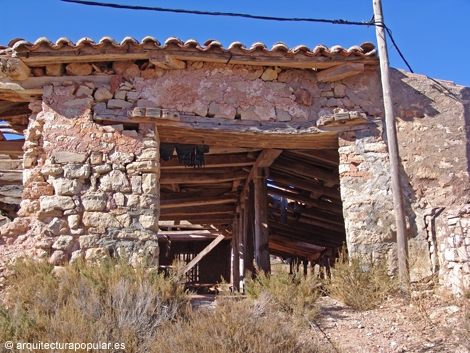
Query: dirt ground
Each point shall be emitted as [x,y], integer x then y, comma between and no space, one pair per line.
[430,324]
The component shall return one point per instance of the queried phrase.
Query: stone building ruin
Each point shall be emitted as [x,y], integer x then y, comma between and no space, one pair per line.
[222,157]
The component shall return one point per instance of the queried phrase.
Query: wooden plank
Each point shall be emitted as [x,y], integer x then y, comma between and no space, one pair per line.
[330,157]
[250,230]
[323,223]
[213,161]
[306,170]
[203,253]
[201,178]
[308,232]
[188,54]
[223,218]
[12,148]
[261,221]
[320,204]
[339,72]
[198,210]
[197,201]
[316,187]
[295,243]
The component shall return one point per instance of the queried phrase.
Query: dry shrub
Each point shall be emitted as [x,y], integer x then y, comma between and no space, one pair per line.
[291,294]
[106,302]
[359,283]
[239,325]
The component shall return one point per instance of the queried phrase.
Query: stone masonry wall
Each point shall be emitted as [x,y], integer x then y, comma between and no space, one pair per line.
[89,190]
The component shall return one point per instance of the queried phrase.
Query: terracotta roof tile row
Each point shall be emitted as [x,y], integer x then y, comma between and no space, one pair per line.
[366,50]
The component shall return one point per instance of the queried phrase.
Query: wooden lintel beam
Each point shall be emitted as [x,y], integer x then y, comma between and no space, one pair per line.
[339,72]
[197,201]
[204,252]
[307,170]
[12,148]
[213,161]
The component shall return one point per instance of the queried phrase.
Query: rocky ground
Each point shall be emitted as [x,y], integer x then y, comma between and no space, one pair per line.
[432,323]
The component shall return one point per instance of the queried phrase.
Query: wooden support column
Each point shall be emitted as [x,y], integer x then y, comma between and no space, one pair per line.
[236,253]
[241,244]
[250,231]
[261,221]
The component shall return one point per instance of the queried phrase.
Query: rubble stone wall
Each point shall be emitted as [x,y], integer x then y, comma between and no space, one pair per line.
[89,190]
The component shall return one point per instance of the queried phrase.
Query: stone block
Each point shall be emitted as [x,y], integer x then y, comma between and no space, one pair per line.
[96,158]
[121,157]
[83,91]
[339,90]
[149,154]
[304,97]
[270,74]
[55,70]
[100,219]
[149,183]
[88,241]
[31,176]
[120,95]
[67,187]
[115,181]
[143,167]
[78,69]
[103,94]
[119,104]
[282,115]
[58,257]
[94,201]
[149,202]
[77,171]
[133,201]
[50,203]
[101,169]
[52,170]
[119,199]
[96,254]
[57,226]
[64,242]
[130,133]
[73,221]
[69,157]
[124,219]
[149,222]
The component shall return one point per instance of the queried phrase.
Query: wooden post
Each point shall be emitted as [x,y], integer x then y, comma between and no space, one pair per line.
[392,147]
[236,253]
[261,221]
[241,244]
[250,233]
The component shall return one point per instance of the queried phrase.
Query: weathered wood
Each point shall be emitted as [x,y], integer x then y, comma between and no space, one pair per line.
[323,223]
[250,231]
[290,233]
[306,170]
[261,221]
[316,187]
[179,224]
[236,253]
[213,161]
[308,232]
[320,204]
[264,160]
[200,201]
[198,210]
[223,218]
[328,157]
[188,54]
[203,253]
[12,148]
[295,243]
[11,178]
[167,62]
[339,72]
[392,143]
[14,68]
[201,178]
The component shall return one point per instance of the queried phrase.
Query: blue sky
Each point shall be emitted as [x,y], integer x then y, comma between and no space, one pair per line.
[434,35]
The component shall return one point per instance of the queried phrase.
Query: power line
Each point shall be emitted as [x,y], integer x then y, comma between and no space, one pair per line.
[256,17]
[209,13]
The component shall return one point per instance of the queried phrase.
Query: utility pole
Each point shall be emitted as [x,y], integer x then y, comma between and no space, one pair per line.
[392,147]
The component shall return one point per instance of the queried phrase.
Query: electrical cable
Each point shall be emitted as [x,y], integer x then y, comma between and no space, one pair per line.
[256,17]
[209,13]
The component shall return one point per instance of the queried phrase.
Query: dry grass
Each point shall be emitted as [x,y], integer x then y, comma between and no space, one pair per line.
[361,284]
[113,302]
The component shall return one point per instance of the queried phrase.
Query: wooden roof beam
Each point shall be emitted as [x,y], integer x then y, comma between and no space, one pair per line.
[12,147]
[197,201]
[339,72]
